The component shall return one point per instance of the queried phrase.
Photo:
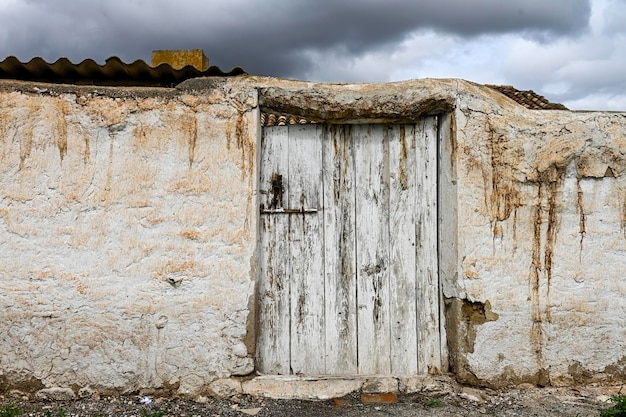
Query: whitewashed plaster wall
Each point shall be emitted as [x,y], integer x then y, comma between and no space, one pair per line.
[541,242]
[127,229]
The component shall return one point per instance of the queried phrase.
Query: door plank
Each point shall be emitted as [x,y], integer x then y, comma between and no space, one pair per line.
[273,286]
[429,352]
[339,251]
[403,207]
[306,240]
[371,160]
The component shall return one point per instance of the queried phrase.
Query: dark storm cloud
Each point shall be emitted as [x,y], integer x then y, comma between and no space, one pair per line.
[266,38]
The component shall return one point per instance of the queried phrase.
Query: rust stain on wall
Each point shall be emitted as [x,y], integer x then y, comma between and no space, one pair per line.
[450,135]
[504,198]
[7,126]
[109,175]
[623,222]
[191,126]
[581,215]
[546,212]
[555,186]
[244,145]
[523,178]
[242,141]
[87,151]
[503,202]
[26,137]
[536,336]
[61,129]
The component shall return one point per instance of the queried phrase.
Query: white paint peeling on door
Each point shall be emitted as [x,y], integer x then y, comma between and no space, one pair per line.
[348,264]
[306,246]
[371,163]
[339,254]
[404,197]
[274,301]
[427,294]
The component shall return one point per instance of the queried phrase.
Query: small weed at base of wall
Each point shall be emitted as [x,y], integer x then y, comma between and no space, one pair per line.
[10,411]
[435,403]
[619,406]
[59,412]
[148,413]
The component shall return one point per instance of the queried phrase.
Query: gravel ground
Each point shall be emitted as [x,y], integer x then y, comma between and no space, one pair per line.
[539,402]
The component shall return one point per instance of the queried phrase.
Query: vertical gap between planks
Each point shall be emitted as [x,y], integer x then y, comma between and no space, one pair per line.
[439,140]
[416,204]
[322,137]
[288,268]
[439,293]
[356,258]
[260,251]
[387,186]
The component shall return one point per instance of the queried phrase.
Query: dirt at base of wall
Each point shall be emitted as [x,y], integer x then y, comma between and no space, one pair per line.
[448,399]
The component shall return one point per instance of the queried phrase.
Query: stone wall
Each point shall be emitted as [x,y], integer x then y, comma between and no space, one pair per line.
[128,226]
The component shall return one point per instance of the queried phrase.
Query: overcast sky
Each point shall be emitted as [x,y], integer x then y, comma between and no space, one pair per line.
[571,51]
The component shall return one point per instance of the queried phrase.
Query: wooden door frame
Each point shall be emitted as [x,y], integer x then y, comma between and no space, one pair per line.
[446,198]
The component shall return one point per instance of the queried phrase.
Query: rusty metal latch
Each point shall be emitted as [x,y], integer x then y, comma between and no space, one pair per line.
[288,210]
[276,204]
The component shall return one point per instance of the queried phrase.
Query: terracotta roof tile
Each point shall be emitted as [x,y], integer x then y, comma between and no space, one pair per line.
[527,98]
[277,119]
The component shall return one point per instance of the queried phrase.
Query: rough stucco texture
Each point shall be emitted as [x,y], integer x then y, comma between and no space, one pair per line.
[128,224]
[126,236]
[542,239]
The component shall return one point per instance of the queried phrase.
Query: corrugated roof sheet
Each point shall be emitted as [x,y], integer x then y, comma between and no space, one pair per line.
[113,72]
[527,98]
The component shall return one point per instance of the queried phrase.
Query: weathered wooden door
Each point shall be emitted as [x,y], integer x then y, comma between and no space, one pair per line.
[348,250]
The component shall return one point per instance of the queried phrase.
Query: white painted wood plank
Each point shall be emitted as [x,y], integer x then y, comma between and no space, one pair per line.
[273,266]
[306,237]
[447,220]
[372,253]
[402,240]
[339,251]
[429,349]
